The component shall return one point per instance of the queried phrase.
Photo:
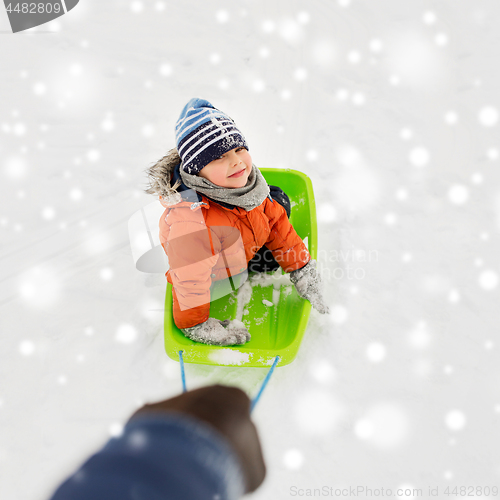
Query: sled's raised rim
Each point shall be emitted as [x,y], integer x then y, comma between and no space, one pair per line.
[285,323]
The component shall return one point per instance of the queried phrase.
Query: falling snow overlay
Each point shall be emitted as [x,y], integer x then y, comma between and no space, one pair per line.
[391,108]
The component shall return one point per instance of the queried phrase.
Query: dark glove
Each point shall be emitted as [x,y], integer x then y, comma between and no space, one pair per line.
[216,332]
[227,409]
[308,285]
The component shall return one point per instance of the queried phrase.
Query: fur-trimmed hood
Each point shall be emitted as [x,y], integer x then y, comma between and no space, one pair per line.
[160,175]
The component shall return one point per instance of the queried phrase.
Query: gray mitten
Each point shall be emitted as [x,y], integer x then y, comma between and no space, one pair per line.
[216,332]
[308,285]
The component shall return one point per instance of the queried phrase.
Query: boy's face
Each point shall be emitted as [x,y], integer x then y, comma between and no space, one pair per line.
[231,170]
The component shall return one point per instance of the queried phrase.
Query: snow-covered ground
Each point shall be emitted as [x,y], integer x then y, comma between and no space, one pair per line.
[390,107]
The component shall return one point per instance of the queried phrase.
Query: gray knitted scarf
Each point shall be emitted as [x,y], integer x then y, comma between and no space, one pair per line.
[251,195]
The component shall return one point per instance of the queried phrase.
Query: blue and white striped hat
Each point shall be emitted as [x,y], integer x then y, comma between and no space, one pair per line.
[203,133]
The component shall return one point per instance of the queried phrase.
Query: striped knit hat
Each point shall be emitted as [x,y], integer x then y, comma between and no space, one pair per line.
[203,133]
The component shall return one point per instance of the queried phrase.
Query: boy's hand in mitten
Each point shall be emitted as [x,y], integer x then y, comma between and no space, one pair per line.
[307,281]
[216,332]
[238,328]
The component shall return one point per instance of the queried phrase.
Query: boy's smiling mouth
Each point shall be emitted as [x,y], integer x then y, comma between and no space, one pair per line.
[238,174]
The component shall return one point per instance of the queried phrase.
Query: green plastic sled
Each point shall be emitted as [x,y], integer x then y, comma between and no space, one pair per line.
[275,329]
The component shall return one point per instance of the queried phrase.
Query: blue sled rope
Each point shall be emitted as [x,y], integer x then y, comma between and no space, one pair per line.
[263,386]
[183,375]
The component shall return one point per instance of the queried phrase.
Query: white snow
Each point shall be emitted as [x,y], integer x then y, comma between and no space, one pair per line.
[406,257]
[363,428]
[455,420]
[236,324]
[293,459]
[448,369]
[96,242]
[419,156]
[39,287]
[441,39]
[477,178]
[451,117]
[259,85]
[492,154]
[458,194]
[357,187]
[165,69]
[48,213]
[390,218]
[300,74]
[222,16]
[375,352]
[454,296]
[338,314]
[488,116]
[488,279]
[429,17]
[376,45]
[26,347]
[420,337]
[39,88]
[93,155]
[268,26]
[312,155]
[243,297]
[326,213]
[19,129]
[406,133]
[323,371]
[354,57]
[422,367]
[108,124]
[106,274]
[358,98]
[15,167]
[136,6]
[402,194]
[385,425]
[303,17]
[76,194]
[412,56]
[291,31]
[126,334]
[317,412]
[286,94]
[230,356]
[324,53]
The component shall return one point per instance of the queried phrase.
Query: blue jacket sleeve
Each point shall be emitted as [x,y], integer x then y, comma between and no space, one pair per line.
[172,457]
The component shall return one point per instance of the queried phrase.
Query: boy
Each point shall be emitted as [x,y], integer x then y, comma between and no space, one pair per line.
[221,218]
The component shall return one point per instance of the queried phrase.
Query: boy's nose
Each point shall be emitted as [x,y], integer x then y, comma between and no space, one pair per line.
[234,158]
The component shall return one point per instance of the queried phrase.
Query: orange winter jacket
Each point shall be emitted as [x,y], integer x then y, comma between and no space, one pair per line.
[206,241]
